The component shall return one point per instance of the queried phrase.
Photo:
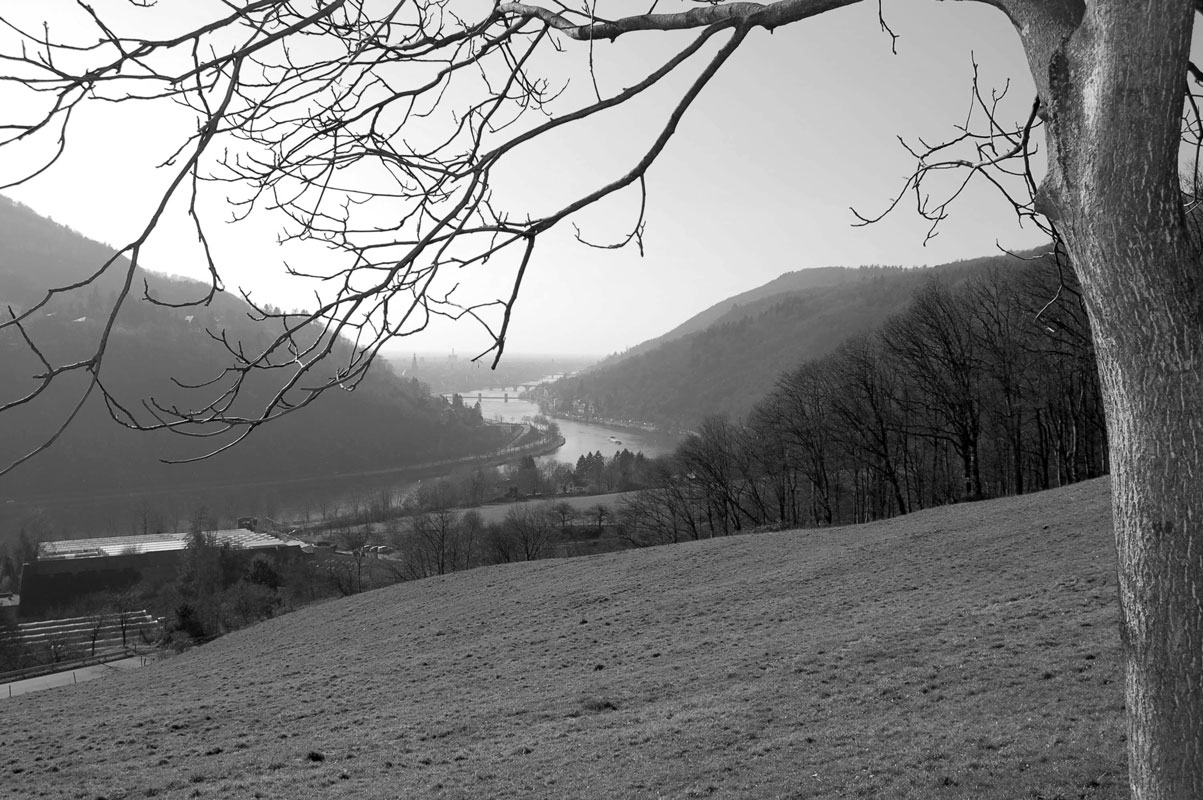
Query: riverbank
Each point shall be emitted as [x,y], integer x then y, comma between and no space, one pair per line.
[526,440]
[302,499]
[583,437]
[512,451]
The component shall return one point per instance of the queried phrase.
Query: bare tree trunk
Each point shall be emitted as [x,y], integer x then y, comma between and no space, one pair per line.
[1158,498]
[1152,374]
[1115,90]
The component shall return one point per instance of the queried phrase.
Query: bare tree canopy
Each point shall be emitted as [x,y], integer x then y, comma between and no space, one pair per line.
[377,130]
[372,129]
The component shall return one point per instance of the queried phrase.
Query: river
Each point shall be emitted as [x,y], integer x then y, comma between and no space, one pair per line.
[580,438]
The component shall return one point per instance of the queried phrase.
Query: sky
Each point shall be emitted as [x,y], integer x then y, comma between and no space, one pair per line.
[798,127]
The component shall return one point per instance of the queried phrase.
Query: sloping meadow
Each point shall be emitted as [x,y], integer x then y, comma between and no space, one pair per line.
[963,652]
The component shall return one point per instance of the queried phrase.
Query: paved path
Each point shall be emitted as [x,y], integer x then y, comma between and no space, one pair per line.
[70,677]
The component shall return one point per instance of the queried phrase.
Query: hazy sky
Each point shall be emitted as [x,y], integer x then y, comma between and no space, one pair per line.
[800,125]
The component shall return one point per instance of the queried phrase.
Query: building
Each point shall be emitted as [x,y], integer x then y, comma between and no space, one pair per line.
[8,609]
[67,571]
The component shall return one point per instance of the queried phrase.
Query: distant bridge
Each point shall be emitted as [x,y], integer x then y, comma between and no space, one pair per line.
[469,398]
[507,392]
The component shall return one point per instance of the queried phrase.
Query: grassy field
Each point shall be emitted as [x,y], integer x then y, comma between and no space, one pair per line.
[965,652]
[496,513]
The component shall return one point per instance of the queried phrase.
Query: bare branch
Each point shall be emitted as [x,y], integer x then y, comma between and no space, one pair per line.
[994,147]
[771,15]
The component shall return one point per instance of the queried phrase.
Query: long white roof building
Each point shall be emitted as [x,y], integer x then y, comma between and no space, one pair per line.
[155,543]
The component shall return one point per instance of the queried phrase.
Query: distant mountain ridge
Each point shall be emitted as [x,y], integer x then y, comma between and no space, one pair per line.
[724,359]
[729,309]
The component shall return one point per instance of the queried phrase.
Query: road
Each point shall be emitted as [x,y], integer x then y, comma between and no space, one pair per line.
[69,677]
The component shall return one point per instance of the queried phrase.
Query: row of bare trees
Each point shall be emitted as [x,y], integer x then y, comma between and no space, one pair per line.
[982,389]
[440,539]
[437,536]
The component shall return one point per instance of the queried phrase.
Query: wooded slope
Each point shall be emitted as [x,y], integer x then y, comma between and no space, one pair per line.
[385,422]
[726,358]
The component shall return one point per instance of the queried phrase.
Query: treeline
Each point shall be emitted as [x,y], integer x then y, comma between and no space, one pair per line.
[983,389]
[437,538]
[723,363]
[435,530]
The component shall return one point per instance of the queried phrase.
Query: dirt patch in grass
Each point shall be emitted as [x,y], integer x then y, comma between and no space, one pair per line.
[965,652]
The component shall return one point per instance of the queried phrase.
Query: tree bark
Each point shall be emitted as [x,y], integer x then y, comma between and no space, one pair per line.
[1114,92]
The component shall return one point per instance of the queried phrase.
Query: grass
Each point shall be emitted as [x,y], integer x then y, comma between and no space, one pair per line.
[964,652]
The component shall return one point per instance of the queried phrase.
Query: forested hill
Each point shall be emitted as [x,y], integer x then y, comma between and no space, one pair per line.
[729,356]
[741,305]
[387,422]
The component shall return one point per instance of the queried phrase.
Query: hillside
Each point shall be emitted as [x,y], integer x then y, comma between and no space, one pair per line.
[725,359]
[734,308]
[965,652]
[387,422]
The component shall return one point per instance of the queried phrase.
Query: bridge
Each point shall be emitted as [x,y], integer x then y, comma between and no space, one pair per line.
[471,398]
[515,389]
[506,392]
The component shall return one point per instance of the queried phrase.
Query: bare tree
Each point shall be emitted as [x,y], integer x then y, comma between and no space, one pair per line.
[599,513]
[1071,431]
[433,537]
[316,132]
[774,462]
[96,622]
[530,527]
[355,540]
[565,514]
[800,409]
[471,529]
[1002,327]
[124,603]
[656,516]
[935,341]
[713,457]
